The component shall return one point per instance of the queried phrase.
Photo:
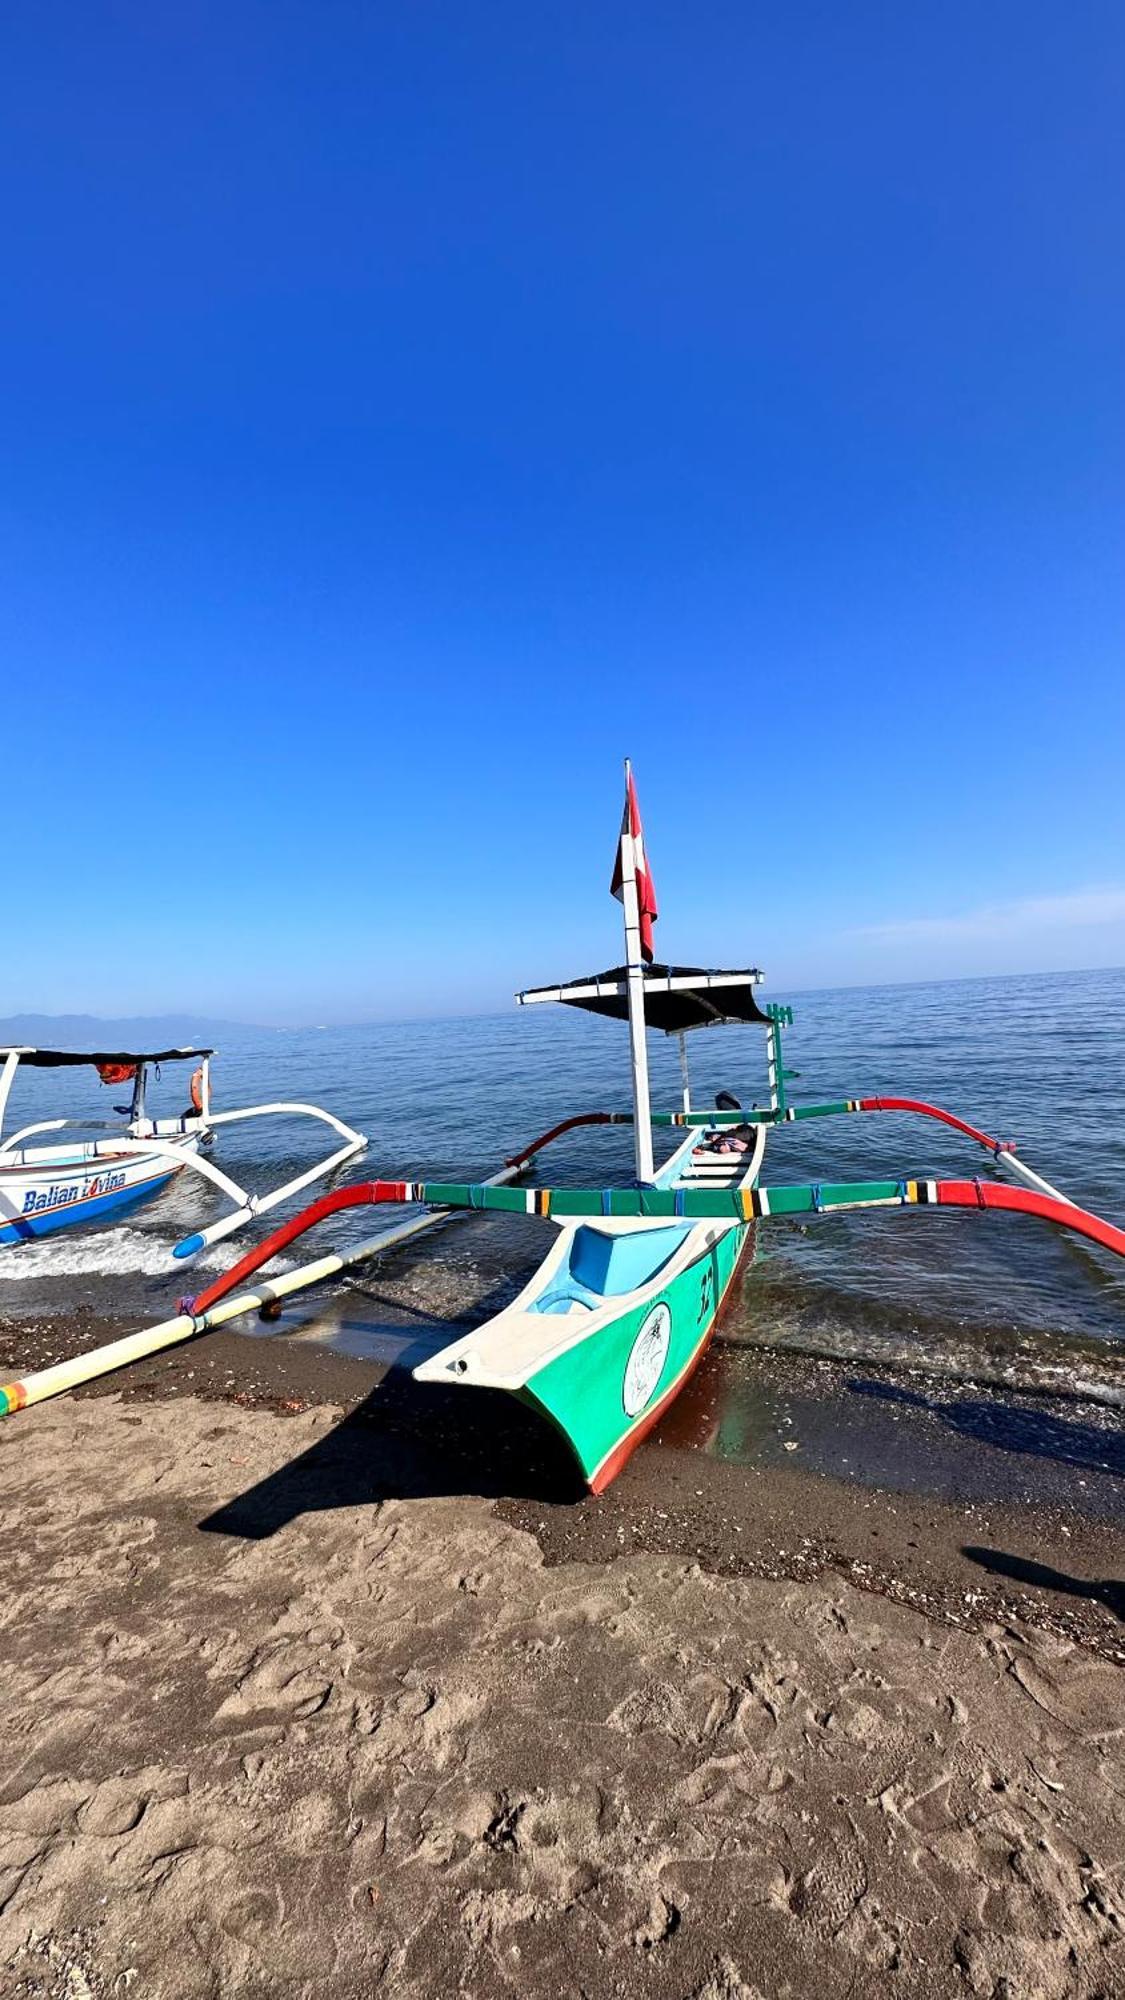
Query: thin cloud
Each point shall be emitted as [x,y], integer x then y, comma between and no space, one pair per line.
[1079,909]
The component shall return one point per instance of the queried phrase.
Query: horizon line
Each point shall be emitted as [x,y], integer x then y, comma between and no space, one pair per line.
[492,1014]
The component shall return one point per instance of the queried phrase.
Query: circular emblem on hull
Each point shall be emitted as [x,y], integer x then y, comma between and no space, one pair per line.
[646,1360]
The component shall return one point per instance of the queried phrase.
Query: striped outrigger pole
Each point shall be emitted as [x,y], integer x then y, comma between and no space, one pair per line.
[731,1205]
[788,1114]
[689,1204]
[680,1203]
[741,1204]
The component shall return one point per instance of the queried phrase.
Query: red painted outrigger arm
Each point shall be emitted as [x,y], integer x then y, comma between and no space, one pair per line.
[361,1194]
[1025,1201]
[984,1139]
[568,1125]
[915,1104]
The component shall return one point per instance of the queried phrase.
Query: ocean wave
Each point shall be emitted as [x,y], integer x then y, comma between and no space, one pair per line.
[109,1253]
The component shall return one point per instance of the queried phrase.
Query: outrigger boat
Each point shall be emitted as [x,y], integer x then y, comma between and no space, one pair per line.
[44,1188]
[624,1303]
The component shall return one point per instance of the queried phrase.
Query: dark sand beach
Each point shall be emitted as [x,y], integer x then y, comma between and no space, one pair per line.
[304,1694]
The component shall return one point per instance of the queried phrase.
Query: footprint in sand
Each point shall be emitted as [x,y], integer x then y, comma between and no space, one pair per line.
[280,1677]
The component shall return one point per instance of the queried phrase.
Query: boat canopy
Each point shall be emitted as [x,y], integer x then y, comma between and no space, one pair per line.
[74,1058]
[677,997]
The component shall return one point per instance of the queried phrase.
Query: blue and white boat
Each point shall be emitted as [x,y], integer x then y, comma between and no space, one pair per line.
[49,1187]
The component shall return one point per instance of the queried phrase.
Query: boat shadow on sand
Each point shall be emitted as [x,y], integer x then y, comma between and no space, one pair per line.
[407,1441]
[1011,1427]
[1041,1576]
[1040,1434]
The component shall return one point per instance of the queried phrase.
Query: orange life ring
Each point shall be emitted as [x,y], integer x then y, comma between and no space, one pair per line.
[196,1090]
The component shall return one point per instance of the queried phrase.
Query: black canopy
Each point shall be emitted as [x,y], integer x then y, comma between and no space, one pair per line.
[72,1058]
[677,997]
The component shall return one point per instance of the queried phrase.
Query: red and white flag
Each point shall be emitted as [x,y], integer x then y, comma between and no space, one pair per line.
[633,832]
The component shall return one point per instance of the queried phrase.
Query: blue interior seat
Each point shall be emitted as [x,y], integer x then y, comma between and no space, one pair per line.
[603,1266]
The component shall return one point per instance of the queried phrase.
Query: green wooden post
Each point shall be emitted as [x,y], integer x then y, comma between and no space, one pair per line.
[779,1017]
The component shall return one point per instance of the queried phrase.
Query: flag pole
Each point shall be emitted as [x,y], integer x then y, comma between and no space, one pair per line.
[638,1049]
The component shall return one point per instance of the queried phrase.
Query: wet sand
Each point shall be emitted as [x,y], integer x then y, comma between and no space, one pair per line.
[305,1693]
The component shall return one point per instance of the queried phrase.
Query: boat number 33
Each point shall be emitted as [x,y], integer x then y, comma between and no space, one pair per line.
[646,1360]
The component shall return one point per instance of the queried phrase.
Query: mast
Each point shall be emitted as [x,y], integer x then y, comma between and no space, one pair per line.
[642,1122]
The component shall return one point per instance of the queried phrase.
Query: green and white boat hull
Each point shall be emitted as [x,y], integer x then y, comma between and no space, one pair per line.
[611,1325]
[606,1391]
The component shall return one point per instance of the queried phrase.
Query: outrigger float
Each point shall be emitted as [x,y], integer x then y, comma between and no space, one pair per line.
[623,1305]
[44,1188]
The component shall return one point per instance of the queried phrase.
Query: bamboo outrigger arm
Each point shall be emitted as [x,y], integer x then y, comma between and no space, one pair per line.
[221,1301]
[1002,1150]
[45,1125]
[524,1158]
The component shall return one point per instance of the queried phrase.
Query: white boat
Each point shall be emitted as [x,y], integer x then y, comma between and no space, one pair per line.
[57,1186]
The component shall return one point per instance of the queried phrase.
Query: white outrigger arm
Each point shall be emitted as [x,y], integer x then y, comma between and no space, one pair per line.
[250,1205]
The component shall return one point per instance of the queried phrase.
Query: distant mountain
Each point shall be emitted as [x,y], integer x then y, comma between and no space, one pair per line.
[95,1031]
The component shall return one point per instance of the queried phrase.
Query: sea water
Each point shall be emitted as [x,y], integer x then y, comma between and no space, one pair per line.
[1037,1059]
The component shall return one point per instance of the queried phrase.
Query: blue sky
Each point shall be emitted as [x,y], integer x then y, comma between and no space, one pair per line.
[410,410]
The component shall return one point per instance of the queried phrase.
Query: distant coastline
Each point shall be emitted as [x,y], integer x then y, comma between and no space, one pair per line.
[81,1030]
